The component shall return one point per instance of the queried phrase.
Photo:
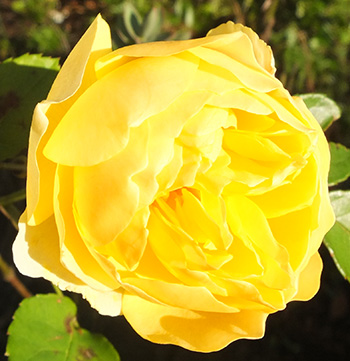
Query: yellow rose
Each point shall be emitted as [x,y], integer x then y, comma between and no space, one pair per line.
[176,183]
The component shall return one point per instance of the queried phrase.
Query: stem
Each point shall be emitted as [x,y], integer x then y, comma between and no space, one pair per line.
[57,290]
[270,8]
[9,209]
[12,213]
[237,10]
[13,166]
[10,276]
[13,197]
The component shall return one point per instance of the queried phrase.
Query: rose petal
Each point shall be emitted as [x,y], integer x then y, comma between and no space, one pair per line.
[294,239]
[296,195]
[165,48]
[243,100]
[36,254]
[250,77]
[101,210]
[197,331]
[194,298]
[126,97]
[261,51]
[258,237]
[78,69]
[41,171]
[309,279]
[75,253]
[95,43]
[164,128]
[129,246]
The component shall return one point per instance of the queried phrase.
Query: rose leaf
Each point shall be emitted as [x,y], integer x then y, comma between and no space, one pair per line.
[152,26]
[45,327]
[340,164]
[337,239]
[324,109]
[25,81]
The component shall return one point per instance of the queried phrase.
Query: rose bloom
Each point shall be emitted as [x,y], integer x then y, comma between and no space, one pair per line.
[178,184]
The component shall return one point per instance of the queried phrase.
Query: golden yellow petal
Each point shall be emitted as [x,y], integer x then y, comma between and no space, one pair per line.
[164,128]
[40,171]
[195,298]
[196,331]
[76,75]
[75,253]
[125,97]
[292,231]
[296,195]
[309,279]
[105,196]
[257,236]
[128,248]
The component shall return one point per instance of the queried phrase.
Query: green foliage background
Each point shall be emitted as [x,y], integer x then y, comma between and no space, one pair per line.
[311,43]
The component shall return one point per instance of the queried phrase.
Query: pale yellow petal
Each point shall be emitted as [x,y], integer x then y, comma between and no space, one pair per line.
[36,254]
[95,43]
[108,303]
[241,99]
[206,121]
[262,51]
[163,48]
[213,78]
[250,77]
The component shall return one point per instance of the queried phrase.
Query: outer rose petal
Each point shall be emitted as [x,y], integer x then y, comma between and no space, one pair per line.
[309,279]
[261,50]
[197,331]
[146,81]
[76,75]
[36,254]
[95,43]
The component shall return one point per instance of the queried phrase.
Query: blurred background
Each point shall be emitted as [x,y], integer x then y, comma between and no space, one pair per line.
[311,44]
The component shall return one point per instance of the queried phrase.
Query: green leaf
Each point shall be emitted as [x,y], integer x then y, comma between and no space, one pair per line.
[132,21]
[189,16]
[340,164]
[25,81]
[45,328]
[337,239]
[152,25]
[324,109]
